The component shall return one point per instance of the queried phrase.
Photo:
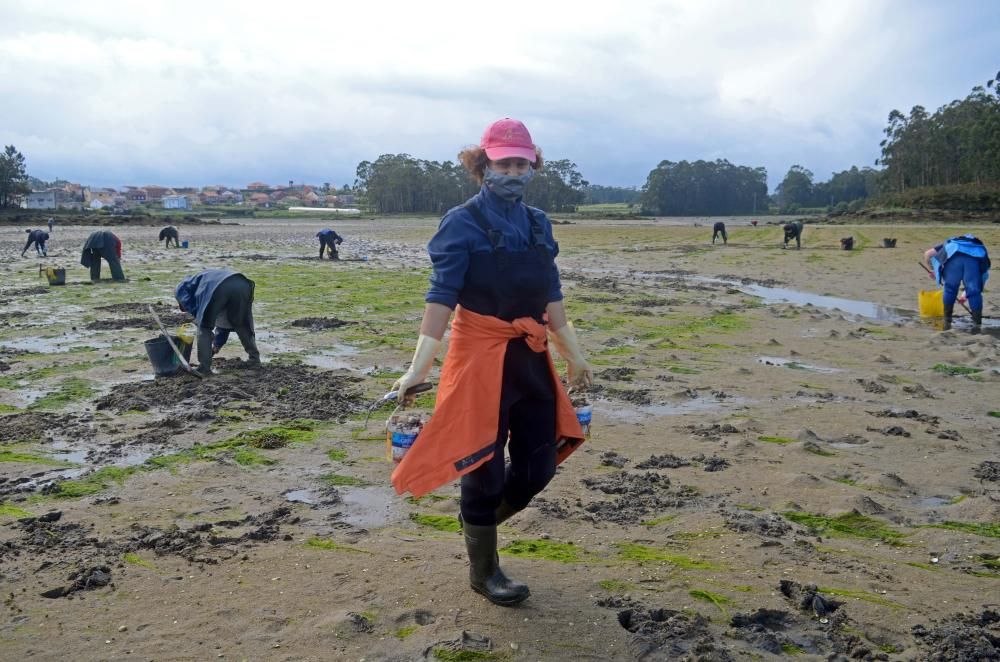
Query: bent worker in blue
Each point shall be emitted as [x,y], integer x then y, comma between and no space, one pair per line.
[221,301]
[960,260]
[38,238]
[329,240]
[103,244]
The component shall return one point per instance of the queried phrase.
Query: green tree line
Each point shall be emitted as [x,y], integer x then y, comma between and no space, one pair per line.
[13,178]
[400,183]
[957,144]
[704,188]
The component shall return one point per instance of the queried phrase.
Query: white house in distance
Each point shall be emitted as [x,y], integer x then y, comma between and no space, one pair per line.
[40,200]
[175,202]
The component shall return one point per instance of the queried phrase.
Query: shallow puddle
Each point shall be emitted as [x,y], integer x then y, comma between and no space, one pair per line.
[933,502]
[55,345]
[795,365]
[301,496]
[369,507]
[630,413]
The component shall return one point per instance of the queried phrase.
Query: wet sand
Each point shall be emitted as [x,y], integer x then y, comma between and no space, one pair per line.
[785,459]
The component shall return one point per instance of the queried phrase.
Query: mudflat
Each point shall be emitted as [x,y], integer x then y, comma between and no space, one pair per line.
[785,459]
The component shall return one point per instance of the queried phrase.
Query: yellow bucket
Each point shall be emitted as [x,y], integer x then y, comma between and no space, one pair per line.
[186,333]
[931,303]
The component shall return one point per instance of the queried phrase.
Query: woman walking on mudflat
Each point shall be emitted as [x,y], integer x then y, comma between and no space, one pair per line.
[494,265]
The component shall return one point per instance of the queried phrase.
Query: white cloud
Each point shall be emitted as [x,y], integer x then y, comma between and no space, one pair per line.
[189,92]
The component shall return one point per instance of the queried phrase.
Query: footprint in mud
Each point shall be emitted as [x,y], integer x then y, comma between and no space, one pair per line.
[667,461]
[911,414]
[283,391]
[616,374]
[919,391]
[639,495]
[613,459]
[961,637]
[771,526]
[469,646]
[320,323]
[415,617]
[662,634]
[890,431]
[988,471]
[84,579]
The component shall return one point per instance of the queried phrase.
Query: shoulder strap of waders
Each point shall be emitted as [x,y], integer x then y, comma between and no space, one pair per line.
[495,236]
[537,233]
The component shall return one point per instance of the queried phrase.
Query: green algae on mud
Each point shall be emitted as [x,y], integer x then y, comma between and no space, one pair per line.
[437,522]
[716,599]
[955,370]
[94,482]
[340,480]
[642,553]
[9,511]
[776,440]
[31,458]
[134,559]
[69,390]
[546,550]
[975,528]
[449,655]
[850,524]
[403,633]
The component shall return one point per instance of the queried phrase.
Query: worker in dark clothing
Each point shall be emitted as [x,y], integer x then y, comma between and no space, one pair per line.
[717,229]
[793,230]
[221,301]
[38,238]
[170,233]
[106,244]
[329,240]
[51,223]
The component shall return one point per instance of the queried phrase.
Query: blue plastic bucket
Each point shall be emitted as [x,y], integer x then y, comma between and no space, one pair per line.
[184,244]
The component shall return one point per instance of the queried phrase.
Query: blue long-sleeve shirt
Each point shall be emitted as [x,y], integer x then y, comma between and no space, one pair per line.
[459,236]
[195,292]
[329,235]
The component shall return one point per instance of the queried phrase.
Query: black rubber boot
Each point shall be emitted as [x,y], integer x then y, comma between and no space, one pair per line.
[205,352]
[949,311]
[249,341]
[977,321]
[485,575]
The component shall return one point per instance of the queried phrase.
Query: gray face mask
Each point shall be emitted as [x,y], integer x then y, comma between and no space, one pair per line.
[508,187]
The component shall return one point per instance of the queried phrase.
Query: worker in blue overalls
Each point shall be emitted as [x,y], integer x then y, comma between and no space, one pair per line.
[328,241]
[960,260]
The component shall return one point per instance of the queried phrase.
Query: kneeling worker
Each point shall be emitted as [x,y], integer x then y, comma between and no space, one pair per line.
[329,240]
[168,233]
[221,301]
[106,244]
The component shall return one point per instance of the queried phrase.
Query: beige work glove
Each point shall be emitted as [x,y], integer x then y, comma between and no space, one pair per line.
[564,339]
[423,359]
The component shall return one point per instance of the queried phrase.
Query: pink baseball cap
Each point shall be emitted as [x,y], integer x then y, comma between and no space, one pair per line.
[507,138]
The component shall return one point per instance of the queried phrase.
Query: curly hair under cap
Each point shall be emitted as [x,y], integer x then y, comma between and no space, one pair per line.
[474,160]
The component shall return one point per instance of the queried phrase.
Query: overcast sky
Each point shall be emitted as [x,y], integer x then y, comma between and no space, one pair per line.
[191,93]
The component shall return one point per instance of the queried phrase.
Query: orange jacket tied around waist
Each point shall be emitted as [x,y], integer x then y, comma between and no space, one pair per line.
[462,433]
